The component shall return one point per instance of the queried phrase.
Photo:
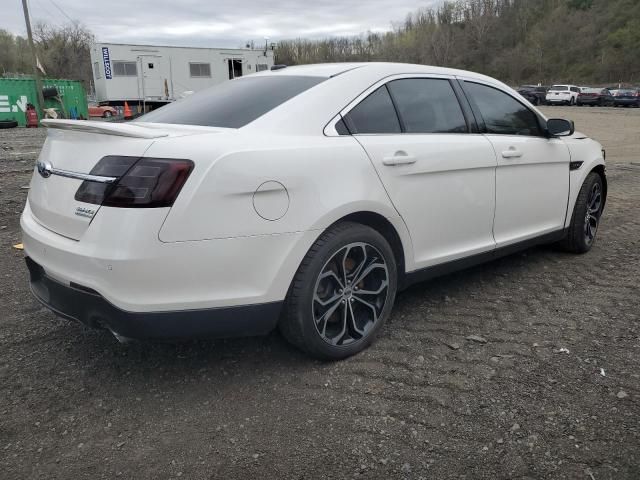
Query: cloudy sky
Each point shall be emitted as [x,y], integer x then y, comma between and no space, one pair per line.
[213,23]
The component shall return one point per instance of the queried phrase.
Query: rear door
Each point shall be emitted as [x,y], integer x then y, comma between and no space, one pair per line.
[532,178]
[439,176]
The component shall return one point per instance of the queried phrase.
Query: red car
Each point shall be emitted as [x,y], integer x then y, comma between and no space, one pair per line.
[103,111]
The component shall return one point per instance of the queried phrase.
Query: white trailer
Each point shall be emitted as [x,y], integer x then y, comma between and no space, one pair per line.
[154,75]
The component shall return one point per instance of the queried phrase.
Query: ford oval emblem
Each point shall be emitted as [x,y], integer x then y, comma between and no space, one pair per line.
[44,169]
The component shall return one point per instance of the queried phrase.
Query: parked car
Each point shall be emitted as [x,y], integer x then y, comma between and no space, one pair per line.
[533,93]
[562,94]
[595,96]
[303,198]
[627,97]
[103,111]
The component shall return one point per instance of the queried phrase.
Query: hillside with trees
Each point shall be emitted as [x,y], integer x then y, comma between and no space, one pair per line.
[63,52]
[517,41]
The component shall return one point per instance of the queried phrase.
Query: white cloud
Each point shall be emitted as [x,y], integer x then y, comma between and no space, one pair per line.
[220,23]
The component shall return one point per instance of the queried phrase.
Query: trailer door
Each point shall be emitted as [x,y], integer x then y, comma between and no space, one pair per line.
[153,85]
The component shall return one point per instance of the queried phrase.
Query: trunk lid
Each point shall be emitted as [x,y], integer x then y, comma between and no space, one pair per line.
[76,147]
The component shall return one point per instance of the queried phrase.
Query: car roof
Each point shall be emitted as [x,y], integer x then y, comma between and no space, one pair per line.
[383,68]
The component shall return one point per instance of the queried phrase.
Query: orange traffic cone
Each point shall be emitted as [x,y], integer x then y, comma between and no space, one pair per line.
[127,112]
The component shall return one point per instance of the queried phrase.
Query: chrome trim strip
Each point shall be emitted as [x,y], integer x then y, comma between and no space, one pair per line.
[83,176]
[45,169]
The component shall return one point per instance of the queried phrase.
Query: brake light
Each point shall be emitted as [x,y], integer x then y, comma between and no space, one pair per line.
[141,182]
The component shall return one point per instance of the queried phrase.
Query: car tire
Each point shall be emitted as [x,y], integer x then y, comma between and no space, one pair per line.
[8,124]
[326,312]
[585,218]
[107,114]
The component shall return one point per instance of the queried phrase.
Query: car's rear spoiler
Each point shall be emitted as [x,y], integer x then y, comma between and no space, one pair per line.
[105,128]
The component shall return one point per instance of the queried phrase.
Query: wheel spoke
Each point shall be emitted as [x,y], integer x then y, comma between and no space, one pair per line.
[335,340]
[331,274]
[368,271]
[369,305]
[383,285]
[324,303]
[326,315]
[362,264]
[354,324]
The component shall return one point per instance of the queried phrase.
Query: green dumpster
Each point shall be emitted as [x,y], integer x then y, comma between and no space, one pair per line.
[16,93]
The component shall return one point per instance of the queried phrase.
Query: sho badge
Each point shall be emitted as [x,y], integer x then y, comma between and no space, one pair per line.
[85,212]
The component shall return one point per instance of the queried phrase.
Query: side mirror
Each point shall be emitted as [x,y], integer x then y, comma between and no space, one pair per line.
[559,127]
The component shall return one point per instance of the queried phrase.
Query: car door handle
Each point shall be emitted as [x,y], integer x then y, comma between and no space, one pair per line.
[399,158]
[512,153]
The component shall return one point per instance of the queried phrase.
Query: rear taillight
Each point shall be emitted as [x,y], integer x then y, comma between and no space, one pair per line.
[141,182]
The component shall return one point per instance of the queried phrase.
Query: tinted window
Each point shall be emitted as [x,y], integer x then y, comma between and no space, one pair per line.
[125,69]
[234,103]
[200,69]
[501,113]
[427,105]
[559,88]
[375,114]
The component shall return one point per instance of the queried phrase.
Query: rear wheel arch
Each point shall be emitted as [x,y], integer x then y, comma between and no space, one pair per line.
[384,227]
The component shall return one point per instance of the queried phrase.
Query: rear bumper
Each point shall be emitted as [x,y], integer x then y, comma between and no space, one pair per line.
[590,101]
[626,101]
[121,258]
[87,306]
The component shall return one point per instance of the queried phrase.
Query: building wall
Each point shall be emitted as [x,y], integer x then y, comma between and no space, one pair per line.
[164,72]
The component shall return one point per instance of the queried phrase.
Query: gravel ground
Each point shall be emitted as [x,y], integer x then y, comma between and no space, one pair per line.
[425,401]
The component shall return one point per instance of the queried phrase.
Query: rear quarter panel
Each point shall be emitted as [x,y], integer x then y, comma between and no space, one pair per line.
[325,179]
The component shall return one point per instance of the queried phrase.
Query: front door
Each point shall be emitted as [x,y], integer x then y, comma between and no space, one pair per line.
[440,178]
[532,178]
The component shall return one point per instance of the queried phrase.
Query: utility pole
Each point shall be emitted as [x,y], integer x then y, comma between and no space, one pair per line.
[34,58]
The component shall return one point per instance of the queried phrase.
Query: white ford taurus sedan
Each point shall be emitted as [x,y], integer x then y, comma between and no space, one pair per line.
[302,198]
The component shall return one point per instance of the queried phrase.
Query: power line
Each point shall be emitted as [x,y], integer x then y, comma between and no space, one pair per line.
[50,17]
[63,12]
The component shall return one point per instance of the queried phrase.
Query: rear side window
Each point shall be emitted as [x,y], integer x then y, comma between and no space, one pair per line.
[375,114]
[427,105]
[233,104]
[502,114]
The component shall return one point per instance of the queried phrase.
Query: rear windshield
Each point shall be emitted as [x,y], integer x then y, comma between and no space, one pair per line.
[234,103]
[559,88]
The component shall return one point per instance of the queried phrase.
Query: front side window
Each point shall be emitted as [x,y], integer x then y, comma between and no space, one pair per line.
[234,103]
[374,114]
[125,69]
[502,114]
[200,70]
[427,105]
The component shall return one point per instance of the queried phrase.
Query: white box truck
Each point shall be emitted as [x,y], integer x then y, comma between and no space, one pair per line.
[155,75]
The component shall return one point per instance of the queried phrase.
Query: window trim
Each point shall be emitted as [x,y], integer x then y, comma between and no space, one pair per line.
[482,127]
[330,128]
